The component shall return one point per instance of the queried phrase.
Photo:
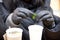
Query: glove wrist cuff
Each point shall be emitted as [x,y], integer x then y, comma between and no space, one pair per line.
[9,21]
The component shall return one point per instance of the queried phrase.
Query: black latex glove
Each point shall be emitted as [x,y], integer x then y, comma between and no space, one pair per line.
[23,16]
[47,18]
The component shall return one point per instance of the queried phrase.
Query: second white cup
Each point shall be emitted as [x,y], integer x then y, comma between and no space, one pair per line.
[35,32]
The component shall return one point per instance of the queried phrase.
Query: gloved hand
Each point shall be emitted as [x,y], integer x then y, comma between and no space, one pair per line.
[47,18]
[23,16]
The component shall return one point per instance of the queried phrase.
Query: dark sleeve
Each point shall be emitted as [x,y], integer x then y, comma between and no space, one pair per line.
[53,34]
[3,12]
[3,28]
[57,19]
[45,6]
[47,3]
[10,4]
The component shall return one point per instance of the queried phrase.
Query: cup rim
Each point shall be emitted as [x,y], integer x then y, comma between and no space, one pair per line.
[35,26]
[13,29]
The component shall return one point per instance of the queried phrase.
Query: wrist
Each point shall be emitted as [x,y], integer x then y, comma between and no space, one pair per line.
[14,20]
[9,21]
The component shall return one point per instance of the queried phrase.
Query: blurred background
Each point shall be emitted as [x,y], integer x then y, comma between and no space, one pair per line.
[55,5]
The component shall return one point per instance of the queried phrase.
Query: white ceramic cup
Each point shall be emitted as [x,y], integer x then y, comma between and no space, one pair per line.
[35,32]
[14,34]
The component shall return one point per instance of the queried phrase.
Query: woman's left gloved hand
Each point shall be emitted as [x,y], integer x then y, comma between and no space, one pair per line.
[47,18]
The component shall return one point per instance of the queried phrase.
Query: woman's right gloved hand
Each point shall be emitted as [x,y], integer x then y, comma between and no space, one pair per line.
[47,18]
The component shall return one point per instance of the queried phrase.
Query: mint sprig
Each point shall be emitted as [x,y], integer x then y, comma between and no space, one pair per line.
[34,16]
